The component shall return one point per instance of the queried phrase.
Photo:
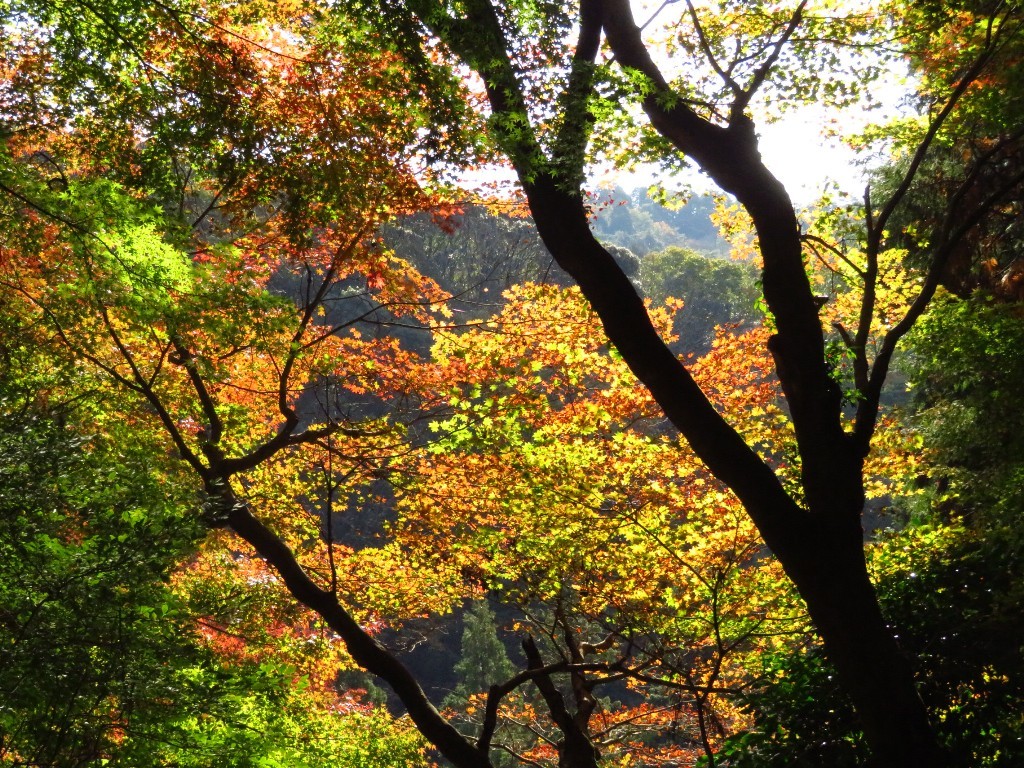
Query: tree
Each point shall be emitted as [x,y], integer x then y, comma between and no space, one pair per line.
[976,153]
[475,255]
[644,223]
[483,660]
[182,321]
[714,292]
[553,487]
[949,582]
[201,156]
[964,364]
[817,533]
[101,658]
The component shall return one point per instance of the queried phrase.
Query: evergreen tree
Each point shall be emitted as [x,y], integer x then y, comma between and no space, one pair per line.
[483,661]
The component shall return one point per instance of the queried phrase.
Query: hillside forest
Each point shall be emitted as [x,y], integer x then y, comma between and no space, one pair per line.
[346,421]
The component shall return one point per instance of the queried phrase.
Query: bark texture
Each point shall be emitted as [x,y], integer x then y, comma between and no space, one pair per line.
[819,540]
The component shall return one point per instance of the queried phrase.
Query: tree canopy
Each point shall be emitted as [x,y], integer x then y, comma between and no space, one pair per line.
[278,384]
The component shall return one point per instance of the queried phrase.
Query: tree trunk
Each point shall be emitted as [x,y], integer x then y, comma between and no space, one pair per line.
[872,669]
[821,549]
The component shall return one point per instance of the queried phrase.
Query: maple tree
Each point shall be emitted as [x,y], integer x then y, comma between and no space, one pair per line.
[192,195]
[976,155]
[714,291]
[551,485]
[104,656]
[554,486]
[545,97]
[143,232]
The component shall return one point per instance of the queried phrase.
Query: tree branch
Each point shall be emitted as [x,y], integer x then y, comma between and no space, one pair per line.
[577,750]
[363,648]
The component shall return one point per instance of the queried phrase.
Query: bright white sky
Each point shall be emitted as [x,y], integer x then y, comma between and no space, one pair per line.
[796,149]
[804,153]
[799,149]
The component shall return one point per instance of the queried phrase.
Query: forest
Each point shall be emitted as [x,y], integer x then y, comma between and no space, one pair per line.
[346,420]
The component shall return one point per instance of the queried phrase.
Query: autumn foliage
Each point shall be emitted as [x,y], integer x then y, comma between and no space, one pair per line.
[201,310]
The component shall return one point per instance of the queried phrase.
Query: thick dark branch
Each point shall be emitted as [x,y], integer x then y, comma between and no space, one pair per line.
[562,222]
[661,104]
[730,156]
[577,751]
[363,648]
[285,438]
[577,121]
[478,40]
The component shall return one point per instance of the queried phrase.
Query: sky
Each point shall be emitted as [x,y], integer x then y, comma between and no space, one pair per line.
[795,149]
[803,151]
[800,148]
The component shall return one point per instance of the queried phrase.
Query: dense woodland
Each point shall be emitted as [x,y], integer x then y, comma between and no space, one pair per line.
[322,444]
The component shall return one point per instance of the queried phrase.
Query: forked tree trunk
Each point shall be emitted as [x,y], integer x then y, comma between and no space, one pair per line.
[871,667]
[819,544]
[828,567]
[821,549]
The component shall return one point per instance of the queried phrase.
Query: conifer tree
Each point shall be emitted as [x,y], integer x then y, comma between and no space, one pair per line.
[483,661]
